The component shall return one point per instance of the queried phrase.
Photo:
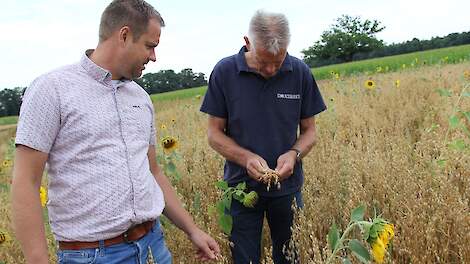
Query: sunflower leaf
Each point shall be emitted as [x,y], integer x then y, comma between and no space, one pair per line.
[238,195]
[458,144]
[171,167]
[223,185]
[226,223]
[358,213]
[241,186]
[333,237]
[220,208]
[359,251]
[227,201]
[454,121]
[444,92]
[441,163]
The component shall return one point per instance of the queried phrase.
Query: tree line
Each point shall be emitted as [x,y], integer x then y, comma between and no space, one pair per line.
[159,82]
[352,38]
[349,39]
[169,80]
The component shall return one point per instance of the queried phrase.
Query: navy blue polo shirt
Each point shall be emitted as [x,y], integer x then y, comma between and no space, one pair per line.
[263,115]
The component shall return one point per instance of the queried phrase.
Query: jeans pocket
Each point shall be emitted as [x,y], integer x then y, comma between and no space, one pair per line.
[85,256]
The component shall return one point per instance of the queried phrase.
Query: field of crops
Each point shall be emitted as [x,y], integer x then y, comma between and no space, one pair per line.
[396,140]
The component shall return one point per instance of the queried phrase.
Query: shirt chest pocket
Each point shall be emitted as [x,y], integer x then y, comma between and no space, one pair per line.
[137,122]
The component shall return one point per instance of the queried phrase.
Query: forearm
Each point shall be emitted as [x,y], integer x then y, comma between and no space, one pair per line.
[228,148]
[28,220]
[305,142]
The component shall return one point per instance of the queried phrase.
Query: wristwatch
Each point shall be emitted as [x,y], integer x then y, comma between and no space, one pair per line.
[297,157]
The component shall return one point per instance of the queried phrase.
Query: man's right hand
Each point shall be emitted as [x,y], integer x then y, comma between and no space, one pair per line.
[256,166]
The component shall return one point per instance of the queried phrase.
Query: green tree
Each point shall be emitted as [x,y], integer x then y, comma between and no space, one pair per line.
[349,36]
[10,101]
[168,80]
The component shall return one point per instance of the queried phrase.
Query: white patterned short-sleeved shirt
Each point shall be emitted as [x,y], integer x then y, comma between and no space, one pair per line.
[97,136]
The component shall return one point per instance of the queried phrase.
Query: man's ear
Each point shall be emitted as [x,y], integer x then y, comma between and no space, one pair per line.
[125,35]
[247,43]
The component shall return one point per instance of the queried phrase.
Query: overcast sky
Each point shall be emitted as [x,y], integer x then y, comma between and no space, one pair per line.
[40,35]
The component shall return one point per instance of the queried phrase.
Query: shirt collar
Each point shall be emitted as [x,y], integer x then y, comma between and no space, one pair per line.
[95,71]
[243,66]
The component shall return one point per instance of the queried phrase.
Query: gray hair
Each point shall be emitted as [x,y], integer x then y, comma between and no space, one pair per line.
[132,13]
[270,30]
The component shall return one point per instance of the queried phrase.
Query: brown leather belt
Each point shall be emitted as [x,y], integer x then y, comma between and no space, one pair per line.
[132,234]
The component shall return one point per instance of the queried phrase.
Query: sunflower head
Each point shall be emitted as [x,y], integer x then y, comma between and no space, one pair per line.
[169,143]
[378,251]
[163,127]
[397,83]
[6,163]
[369,84]
[4,236]
[380,234]
[43,196]
[250,199]
[466,75]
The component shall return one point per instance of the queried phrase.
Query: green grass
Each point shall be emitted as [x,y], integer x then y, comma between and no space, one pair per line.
[180,94]
[450,55]
[8,120]
[413,60]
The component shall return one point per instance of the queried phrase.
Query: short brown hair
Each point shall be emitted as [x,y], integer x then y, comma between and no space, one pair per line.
[132,13]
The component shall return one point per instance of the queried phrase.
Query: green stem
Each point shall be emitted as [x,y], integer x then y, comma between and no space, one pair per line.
[454,110]
[343,237]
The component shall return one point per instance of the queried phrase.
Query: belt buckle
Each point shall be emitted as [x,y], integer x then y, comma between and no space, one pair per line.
[125,237]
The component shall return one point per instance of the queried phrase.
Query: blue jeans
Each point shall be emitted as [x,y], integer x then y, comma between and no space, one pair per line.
[248,224]
[135,252]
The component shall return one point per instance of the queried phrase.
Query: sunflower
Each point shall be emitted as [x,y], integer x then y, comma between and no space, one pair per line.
[369,84]
[6,163]
[466,75]
[379,237]
[397,83]
[169,143]
[250,199]
[163,126]
[4,236]
[43,196]
[378,251]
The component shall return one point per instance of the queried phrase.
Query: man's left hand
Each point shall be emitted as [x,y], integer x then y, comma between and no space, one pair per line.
[285,164]
[207,248]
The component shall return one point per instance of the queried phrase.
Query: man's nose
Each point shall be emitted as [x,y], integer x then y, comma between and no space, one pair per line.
[153,57]
[271,69]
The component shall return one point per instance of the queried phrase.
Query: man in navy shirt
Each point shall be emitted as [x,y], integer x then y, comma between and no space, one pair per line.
[256,101]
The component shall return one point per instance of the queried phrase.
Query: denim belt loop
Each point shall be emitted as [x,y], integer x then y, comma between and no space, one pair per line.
[157,222]
[101,247]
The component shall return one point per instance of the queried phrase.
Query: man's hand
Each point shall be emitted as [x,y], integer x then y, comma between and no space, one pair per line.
[285,164]
[207,248]
[256,167]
